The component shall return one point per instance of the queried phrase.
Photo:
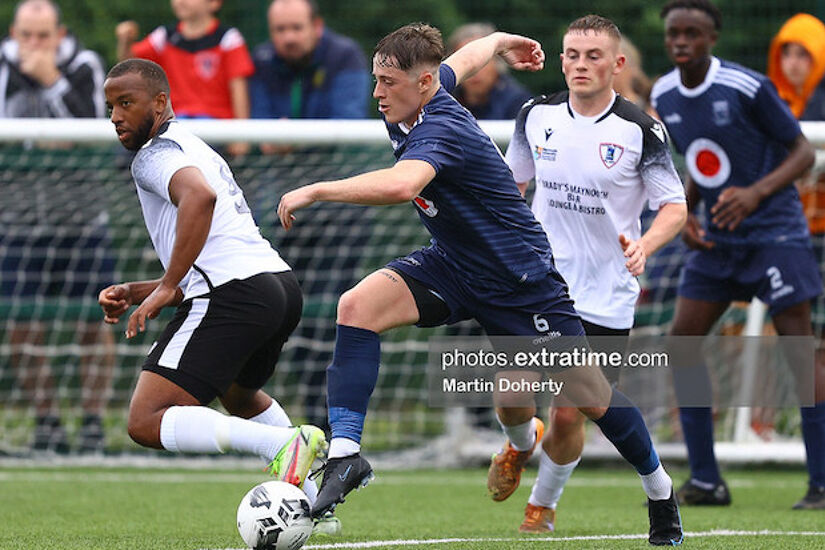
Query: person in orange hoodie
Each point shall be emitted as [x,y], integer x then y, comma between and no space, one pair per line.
[796,66]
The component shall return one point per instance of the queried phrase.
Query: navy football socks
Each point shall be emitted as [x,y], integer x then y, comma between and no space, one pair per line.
[623,425]
[697,428]
[813,433]
[351,379]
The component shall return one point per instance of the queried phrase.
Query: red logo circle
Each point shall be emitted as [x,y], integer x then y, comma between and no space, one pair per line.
[708,163]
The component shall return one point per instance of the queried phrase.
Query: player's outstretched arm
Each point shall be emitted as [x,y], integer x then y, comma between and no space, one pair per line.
[401,183]
[520,52]
[667,224]
[195,201]
[737,203]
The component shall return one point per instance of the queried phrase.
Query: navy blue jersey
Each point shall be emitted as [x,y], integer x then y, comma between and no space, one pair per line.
[472,208]
[734,129]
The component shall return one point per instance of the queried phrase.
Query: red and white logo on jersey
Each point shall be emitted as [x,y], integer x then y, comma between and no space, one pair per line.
[206,64]
[708,163]
[610,154]
[426,206]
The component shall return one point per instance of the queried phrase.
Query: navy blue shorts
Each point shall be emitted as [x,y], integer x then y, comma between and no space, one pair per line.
[780,276]
[537,308]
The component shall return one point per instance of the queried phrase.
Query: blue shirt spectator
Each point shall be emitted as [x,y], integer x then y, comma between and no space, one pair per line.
[306,70]
[504,99]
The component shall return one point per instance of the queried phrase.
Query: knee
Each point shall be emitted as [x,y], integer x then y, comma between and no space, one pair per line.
[137,430]
[144,429]
[566,420]
[351,309]
[593,413]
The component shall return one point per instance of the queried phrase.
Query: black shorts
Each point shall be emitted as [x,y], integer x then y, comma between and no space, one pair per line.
[233,334]
[608,340]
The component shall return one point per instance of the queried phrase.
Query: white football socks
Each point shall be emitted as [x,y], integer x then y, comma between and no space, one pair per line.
[657,484]
[275,415]
[342,446]
[192,429]
[550,482]
[522,436]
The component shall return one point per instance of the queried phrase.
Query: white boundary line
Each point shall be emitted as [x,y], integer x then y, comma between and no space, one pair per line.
[429,542]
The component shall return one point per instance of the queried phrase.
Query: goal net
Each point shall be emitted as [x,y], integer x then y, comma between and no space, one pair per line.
[70,224]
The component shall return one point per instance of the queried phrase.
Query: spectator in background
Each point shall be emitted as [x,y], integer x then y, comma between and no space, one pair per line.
[632,83]
[491,93]
[796,65]
[207,63]
[49,254]
[306,70]
[44,70]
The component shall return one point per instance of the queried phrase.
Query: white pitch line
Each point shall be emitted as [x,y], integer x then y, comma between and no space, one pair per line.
[429,542]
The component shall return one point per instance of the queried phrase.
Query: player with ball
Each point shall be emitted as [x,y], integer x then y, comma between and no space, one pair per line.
[237,300]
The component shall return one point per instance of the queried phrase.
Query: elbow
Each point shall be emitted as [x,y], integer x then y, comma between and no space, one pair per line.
[208,199]
[682,215]
[810,156]
[804,152]
[404,191]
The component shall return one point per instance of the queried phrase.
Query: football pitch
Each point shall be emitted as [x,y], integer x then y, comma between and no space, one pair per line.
[165,509]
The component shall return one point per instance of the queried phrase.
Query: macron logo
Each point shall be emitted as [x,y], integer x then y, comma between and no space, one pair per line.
[658,131]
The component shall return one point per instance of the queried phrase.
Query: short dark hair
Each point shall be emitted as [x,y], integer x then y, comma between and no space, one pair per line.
[151,73]
[412,45]
[701,5]
[595,23]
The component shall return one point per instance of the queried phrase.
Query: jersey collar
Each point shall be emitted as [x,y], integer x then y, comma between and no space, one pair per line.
[591,119]
[710,76]
[407,129]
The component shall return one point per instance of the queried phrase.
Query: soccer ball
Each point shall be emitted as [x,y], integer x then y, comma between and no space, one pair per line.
[274,516]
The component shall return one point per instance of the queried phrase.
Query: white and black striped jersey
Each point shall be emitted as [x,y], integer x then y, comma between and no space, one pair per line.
[234,248]
[593,176]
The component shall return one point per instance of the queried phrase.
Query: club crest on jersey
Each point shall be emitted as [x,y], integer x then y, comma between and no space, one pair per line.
[425,205]
[721,113]
[544,153]
[206,64]
[610,154]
